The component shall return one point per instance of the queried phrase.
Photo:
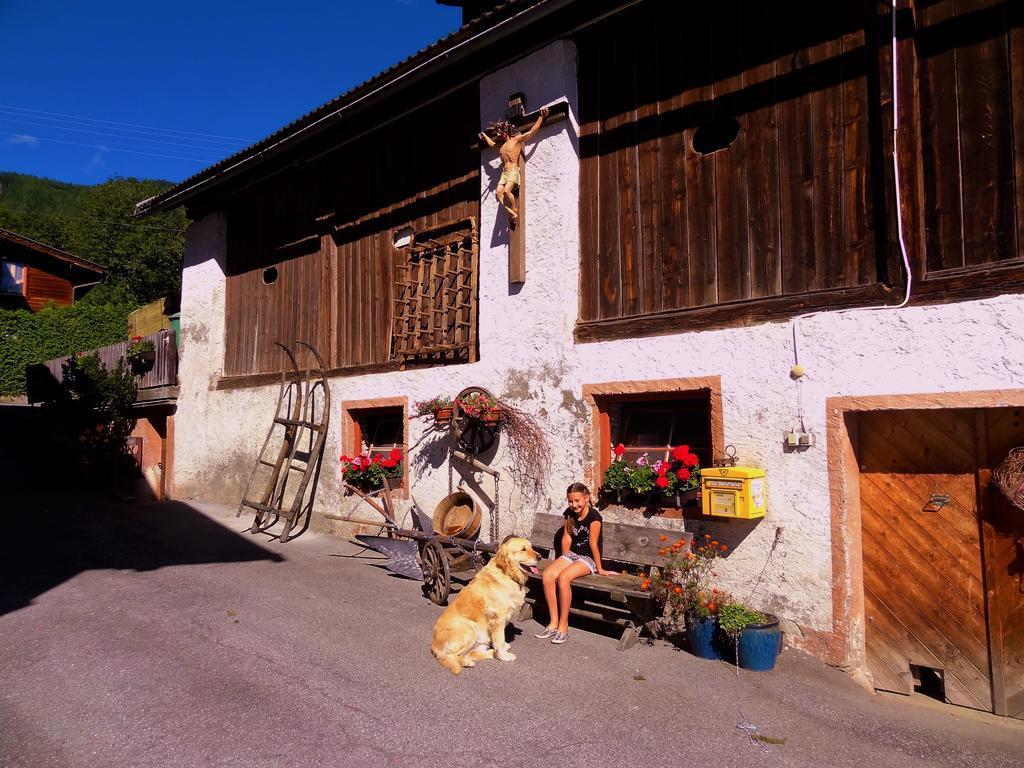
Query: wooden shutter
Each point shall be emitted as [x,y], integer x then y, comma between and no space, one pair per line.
[436,296]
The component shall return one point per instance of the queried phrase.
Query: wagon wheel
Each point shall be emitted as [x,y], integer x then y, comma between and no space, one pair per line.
[437,580]
[470,433]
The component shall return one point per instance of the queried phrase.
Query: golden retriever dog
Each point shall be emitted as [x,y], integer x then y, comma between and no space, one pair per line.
[473,626]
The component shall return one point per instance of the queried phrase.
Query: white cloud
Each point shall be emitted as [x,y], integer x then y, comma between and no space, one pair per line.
[97,160]
[24,138]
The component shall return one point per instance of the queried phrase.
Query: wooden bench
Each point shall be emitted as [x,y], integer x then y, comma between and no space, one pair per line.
[613,599]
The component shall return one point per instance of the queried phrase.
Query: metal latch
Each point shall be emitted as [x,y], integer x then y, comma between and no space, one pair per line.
[936,502]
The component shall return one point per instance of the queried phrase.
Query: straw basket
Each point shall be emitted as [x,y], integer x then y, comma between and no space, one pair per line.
[457,515]
[1009,476]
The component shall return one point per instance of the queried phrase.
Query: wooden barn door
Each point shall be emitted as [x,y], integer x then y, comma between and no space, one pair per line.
[1002,430]
[942,574]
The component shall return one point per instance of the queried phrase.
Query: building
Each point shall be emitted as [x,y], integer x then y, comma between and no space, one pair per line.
[33,274]
[722,204]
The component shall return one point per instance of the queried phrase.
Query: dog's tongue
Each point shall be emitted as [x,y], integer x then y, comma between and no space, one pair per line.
[533,569]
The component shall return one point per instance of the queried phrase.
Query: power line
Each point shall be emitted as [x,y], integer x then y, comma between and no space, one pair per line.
[139,140]
[115,149]
[86,218]
[161,133]
[130,125]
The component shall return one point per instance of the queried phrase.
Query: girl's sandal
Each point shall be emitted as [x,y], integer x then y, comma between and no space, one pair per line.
[546,633]
[559,637]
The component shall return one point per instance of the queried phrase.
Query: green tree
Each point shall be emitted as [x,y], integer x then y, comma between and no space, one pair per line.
[144,258]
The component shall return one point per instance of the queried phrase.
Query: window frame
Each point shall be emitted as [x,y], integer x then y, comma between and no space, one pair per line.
[352,411]
[598,398]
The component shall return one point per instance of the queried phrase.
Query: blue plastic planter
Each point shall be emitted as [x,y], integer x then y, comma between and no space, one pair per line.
[700,634]
[760,644]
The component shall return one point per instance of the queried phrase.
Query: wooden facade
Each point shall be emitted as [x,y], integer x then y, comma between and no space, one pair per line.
[326,231]
[798,211]
[41,288]
[49,275]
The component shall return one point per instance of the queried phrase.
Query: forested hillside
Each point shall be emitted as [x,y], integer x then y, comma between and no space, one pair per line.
[95,222]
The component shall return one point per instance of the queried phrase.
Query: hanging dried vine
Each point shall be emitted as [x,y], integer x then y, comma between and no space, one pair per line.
[530,452]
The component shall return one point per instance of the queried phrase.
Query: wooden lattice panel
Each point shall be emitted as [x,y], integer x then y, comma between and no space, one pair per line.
[436,296]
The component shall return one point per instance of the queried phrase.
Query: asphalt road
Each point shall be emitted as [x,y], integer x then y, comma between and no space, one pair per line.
[163,635]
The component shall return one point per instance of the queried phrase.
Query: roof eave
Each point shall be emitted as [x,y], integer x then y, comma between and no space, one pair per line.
[388,88]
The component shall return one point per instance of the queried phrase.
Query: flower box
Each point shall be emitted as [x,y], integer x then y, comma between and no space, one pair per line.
[368,473]
[668,482]
[443,416]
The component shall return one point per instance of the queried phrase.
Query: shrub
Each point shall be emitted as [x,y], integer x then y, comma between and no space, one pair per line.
[27,338]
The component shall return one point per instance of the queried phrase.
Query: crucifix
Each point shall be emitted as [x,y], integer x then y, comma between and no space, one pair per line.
[510,192]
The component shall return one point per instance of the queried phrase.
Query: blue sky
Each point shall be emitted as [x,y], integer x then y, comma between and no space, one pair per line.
[99,88]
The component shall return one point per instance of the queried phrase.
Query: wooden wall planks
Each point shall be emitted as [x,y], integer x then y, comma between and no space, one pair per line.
[802,202]
[328,229]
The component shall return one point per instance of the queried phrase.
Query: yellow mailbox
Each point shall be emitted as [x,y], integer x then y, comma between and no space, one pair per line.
[736,492]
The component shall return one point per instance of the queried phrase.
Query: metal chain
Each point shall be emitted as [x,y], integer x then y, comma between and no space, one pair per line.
[495,530]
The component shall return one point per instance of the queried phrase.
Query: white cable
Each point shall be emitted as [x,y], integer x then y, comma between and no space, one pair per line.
[128,125]
[899,201]
[191,146]
[104,147]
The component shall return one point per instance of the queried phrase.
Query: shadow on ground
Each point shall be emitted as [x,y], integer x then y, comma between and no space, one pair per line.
[50,541]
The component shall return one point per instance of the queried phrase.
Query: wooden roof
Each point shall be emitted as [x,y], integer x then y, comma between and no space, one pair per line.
[28,249]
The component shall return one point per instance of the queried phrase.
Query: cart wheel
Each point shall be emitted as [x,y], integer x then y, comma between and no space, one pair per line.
[471,434]
[437,581]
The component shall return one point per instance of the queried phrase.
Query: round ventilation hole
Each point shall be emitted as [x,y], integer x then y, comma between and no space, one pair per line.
[269,275]
[716,134]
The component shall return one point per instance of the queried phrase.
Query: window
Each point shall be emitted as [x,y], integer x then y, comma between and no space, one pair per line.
[380,430]
[12,278]
[651,417]
[654,427]
[376,427]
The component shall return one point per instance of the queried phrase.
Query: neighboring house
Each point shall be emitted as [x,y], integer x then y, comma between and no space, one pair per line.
[720,203]
[33,274]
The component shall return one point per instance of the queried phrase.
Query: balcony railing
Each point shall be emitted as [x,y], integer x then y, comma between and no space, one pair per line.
[45,378]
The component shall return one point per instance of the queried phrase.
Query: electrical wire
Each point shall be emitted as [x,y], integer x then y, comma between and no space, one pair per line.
[115,137]
[99,147]
[5,209]
[899,218]
[127,125]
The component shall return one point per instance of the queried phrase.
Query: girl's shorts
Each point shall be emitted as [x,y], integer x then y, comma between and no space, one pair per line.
[572,557]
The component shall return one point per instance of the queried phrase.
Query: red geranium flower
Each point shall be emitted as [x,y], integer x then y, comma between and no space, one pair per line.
[683,474]
[365,463]
[389,463]
[661,481]
[680,452]
[396,455]
[620,449]
[691,460]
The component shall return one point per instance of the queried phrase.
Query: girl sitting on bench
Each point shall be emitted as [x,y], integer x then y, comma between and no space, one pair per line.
[581,555]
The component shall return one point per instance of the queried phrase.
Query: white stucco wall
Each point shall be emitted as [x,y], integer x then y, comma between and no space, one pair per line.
[527,356]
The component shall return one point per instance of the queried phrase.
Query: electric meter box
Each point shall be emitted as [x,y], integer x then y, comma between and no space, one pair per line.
[737,492]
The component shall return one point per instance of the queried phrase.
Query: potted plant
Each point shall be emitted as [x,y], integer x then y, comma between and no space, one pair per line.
[684,585]
[140,353]
[477,405]
[439,405]
[368,472]
[755,636]
[673,479]
[616,479]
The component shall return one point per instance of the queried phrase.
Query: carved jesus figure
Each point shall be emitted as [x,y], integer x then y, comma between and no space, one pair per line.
[510,150]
